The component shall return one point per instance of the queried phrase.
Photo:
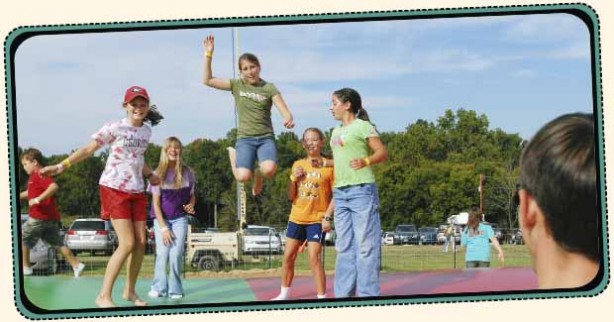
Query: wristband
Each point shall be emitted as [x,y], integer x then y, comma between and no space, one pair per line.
[209,54]
[66,163]
[328,218]
[163,229]
[367,162]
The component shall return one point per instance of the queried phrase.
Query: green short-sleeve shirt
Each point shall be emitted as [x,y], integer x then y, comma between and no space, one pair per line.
[350,142]
[254,107]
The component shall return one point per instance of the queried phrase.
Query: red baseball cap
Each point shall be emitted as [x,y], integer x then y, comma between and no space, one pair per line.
[135,91]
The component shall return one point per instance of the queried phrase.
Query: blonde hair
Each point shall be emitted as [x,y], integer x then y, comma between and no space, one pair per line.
[164,161]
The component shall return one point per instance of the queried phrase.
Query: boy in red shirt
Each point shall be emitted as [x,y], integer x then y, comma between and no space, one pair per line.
[44,221]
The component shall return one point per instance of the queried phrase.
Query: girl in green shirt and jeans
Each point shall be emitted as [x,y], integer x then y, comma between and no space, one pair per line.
[356,146]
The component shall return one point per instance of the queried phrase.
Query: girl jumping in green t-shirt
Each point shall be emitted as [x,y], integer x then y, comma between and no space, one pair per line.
[253,99]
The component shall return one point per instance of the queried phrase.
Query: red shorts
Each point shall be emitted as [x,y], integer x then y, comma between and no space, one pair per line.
[116,204]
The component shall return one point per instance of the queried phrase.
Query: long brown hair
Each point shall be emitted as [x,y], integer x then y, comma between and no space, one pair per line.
[473,222]
[351,95]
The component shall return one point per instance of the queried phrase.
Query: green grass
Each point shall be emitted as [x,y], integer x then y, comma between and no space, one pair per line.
[394,259]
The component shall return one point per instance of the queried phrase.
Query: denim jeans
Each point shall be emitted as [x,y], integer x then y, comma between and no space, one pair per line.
[358,242]
[171,255]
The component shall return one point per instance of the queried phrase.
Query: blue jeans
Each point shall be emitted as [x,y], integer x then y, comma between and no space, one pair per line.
[171,255]
[358,242]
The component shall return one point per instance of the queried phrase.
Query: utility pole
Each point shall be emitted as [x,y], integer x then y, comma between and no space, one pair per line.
[482,177]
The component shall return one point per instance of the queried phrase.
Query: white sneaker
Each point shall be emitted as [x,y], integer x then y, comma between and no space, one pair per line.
[78,270]
[154,294]
[176,296]
[28,271]
[280,297]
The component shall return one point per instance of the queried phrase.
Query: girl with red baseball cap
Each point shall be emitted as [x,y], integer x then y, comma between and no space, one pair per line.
[122,187]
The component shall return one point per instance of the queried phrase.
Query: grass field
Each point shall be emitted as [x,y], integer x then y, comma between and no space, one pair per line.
[394,259]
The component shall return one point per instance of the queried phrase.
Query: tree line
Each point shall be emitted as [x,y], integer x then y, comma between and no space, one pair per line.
[433,172]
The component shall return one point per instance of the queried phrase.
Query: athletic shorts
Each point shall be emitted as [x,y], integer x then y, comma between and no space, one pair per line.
[47,230]
[311,232]
[251,149]
[116,204]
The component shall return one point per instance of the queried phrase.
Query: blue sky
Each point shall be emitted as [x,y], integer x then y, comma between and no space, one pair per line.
[520,71]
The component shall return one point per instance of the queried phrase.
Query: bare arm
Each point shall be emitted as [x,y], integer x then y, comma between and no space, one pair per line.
[326,226]
[189,207]
[497,246]
[48,193]
[380,154]
[151,175]
[208,79]
[284,111]
[23,195]
[81,154]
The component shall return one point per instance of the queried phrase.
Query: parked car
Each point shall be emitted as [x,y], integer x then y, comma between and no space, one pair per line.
[43,257]
[261,239]
[406,234]
[92,235]
[388,238]
[428,235]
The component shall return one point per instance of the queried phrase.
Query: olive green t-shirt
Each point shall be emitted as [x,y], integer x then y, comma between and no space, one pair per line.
[254,107]
[350,142]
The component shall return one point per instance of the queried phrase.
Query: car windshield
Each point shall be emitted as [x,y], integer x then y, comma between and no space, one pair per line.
[88,225]
[256,231]
[428,230]
[406,228]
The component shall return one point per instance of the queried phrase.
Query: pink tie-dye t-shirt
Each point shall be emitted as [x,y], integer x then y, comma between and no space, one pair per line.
[127,145]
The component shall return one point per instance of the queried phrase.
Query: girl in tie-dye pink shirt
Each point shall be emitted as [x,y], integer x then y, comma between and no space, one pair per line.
[127,144]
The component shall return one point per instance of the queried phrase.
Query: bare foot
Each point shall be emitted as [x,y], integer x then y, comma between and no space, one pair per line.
[103,302]
[257,187]
[135,299]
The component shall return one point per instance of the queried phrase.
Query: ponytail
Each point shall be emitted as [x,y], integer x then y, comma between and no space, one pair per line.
[153,116]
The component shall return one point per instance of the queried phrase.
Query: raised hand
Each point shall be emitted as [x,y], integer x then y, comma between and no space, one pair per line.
[209,43]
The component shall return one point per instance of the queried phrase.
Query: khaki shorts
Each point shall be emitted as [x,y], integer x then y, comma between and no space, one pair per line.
[47,230]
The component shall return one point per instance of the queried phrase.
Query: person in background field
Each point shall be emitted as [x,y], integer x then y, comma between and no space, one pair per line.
[253,98]
[449,235]
[310,190]
[122,195]
[44,218]
[356,147]
[172,201]
[559,211]
[477,237]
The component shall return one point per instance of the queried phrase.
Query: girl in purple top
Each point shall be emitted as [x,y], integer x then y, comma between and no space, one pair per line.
[172,201]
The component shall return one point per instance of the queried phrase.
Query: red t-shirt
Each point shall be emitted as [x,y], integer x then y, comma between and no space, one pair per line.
[46,209]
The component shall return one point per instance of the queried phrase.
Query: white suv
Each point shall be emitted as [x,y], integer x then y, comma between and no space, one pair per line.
[261,239]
